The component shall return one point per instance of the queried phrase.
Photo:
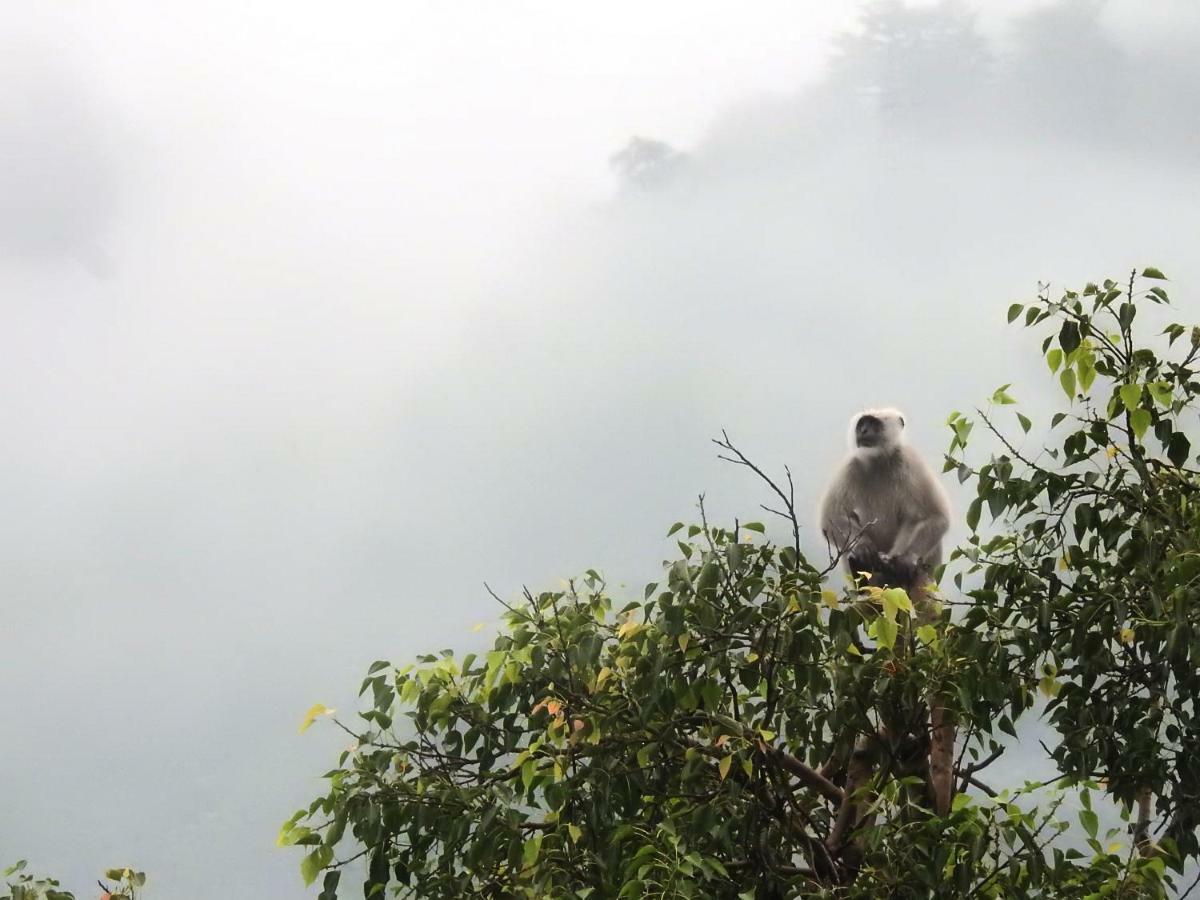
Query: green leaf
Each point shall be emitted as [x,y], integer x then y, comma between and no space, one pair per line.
[1067,380]
[1178,449]
[674,528]
[1131,395]
[755,526]
[723,766]
[1001,396]
[1068,336]
[1139,420]
[1054,359]
[312,864]
[927,635]
[1015,310]
[1151,272]
[884,631]
[1161,392]
[530,852]
[1090,821]
[1025,423]
[897,599]
[973,512]
[644,754]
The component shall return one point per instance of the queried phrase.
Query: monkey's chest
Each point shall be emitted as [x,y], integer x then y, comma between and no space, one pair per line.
[883,523]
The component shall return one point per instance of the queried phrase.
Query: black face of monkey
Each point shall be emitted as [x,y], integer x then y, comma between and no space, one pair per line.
[868,431]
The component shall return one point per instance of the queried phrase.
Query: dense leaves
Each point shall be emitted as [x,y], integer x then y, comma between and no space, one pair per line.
[1091,572]
[20,885]
[742,730]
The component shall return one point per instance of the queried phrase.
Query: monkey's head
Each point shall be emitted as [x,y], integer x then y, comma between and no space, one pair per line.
[876,431]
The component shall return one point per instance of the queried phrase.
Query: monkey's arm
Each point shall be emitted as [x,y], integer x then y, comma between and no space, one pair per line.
[921,538]
[926,519]
[841,523]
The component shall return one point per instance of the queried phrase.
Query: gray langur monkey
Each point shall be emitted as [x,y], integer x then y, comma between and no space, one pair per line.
[885,512]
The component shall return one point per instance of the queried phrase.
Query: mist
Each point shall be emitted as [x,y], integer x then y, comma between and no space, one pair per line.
[313,326]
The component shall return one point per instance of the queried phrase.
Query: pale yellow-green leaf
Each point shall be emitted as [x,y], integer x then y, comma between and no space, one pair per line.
[723,766]
[927,634]
[683,642]
[530,852]
[575,831]
[1067,380]
[314,712]
[1139,421]
[1087,374]
[830,599]
[899,598]
[1131,395]
[884,631]
[889,606]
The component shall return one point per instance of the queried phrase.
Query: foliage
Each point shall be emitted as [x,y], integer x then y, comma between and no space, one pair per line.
[745,731]
[23,886]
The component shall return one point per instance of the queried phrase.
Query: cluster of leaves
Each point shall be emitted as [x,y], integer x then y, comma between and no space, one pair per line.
[744,731]
[24,886]
[1091,569]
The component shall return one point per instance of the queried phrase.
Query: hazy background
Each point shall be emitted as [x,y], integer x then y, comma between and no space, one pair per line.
[316,318]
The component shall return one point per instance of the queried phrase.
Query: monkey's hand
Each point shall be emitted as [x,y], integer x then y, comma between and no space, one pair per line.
[863,558]
[900,570]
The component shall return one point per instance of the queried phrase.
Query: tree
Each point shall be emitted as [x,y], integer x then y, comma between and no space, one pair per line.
[21,885]
[744,731]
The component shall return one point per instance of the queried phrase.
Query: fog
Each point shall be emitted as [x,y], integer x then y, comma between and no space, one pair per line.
[316,320]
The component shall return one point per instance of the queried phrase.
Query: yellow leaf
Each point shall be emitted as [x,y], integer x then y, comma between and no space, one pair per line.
[1127,635]
[830,599]
[628,629]
[1049,686]
[723,766]
[1062,563]
[751,656]
[314,711]
[554,707]
[720,741]
[683,642]
[480,626]
[575,831]
[602,675]
[1114,847]
[766,734]
[1111,451]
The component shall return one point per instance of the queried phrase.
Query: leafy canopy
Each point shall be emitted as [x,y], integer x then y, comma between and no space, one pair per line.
[742,730]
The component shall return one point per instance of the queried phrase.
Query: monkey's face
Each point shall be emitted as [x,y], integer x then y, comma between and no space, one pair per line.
[877,430]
